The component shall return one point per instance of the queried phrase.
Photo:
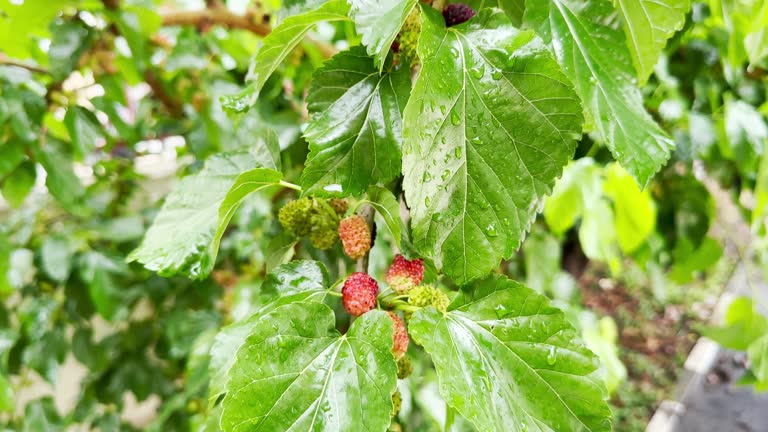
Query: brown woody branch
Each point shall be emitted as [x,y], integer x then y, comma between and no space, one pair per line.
[4,61]
[216,16]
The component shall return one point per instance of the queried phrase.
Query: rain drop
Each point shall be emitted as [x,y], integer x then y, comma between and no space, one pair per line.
[426,177]
[442,109]
[427,202]
[457,152]
[500,310]
[552,356]
[445,175]
[455,119]
[496,75]
[478,72]
[490,230]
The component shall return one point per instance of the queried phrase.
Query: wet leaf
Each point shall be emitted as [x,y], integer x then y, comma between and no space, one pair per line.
[505,357]
[379,22]
[355,133]
[489,126]
[184,238]
[594,56]
[276,47]
[296,371]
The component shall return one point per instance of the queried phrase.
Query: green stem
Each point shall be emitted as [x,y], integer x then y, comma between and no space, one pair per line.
[407,308]
[289,185]
[334,293]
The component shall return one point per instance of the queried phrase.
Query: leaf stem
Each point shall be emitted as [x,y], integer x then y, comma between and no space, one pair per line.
[407,308]
[290,185]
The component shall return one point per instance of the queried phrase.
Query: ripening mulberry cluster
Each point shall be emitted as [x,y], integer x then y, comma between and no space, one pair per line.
[358,295]
[317,218]
[404,275]
[427,295]
[355,235]
[457,13]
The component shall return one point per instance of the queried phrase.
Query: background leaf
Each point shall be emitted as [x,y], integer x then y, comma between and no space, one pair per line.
[648,25]
[184,238]
[594,56]
[276,47]
[379,22]
[489,126]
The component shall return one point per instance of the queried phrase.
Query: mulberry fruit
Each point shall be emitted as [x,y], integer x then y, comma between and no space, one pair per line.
[324,229]
[404,275]
[457,13]
[339,205]
[399,337]
[408,41]
[355,236]
[404,367]
[397,403]
[295,216]
[425,295]
[359,293]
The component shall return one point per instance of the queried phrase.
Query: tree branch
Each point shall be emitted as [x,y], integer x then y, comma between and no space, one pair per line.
[4,61]
[216,16]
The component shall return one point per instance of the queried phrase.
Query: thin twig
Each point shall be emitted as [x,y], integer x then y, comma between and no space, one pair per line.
[4,61]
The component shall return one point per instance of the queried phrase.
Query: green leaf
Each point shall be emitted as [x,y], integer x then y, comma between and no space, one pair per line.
[542,253]
[6,284]
[747,134]
[379,22]
[100,272]
[578,189]
[56,257]
[136,25]
[61,180]
[356,129]
[597,234]
[297,372]
[513,8]
[648,25]
[185,236]
[505,356]
[388,207]
[84,130]
[11,155]
[41,416]
[690,261]
[594,56]
[29,18]
[489,126]
[758,358]
[69,40]
[743,325]
[634,210]
[6,395]
[298,281]
[280,250]
[276,47]
[19,183]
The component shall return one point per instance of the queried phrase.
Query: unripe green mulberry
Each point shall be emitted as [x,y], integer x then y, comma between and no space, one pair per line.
[324,227]
[404,367]
[339,205]
[295,216]
[409,37]
[397,403]
[426,295]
